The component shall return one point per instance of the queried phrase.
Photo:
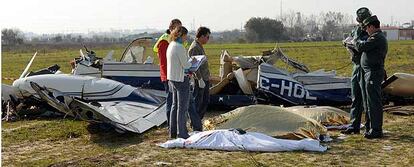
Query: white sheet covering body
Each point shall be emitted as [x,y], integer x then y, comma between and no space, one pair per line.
[251,141]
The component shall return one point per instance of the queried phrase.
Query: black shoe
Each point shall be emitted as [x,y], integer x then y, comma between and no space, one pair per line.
[366,132]
[373,135]
[349,131]
[173,136]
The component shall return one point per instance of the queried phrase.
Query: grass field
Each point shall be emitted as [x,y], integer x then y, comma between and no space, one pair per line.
[67,142]
[317,55]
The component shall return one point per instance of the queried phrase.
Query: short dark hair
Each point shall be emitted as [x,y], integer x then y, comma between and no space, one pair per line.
[202,31]
[376,24]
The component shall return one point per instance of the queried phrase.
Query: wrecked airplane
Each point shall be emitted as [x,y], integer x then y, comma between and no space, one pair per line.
[99,89]
[255,81]
[261,82]
[243,80]
[248,80]
[127,108]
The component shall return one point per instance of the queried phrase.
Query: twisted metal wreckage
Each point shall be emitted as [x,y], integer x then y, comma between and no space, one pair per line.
[128,94]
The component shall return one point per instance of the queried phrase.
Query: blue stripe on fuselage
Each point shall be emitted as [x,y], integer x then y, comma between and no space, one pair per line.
[145,82]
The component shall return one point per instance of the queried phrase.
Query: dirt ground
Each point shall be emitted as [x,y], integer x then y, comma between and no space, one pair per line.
[65,142]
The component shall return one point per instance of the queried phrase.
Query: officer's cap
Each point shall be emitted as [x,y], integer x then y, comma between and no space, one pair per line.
[369,20]
[362,14]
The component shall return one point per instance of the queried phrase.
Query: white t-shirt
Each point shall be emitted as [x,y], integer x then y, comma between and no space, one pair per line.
[177,61]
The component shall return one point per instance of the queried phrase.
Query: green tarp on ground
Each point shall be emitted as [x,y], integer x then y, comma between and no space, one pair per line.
[271,120]
[326,115]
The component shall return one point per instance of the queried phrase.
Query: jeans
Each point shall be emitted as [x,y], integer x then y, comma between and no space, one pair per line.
[179,108]
[202,98]
[193,114]
[168,101]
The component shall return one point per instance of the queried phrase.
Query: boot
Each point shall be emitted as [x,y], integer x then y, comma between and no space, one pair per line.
[349,131]
[374,134]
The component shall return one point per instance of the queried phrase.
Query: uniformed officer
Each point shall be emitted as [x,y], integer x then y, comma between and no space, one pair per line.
[374,50]
[357,81]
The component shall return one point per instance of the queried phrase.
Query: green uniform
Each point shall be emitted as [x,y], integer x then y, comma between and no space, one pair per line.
[374,50]
[357,81]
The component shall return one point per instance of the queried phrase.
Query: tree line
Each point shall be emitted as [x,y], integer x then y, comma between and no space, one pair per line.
[291,26]
[11,37]
[295,26]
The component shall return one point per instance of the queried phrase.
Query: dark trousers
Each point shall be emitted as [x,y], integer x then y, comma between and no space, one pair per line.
[373,98]
[180,102]
[168,101]
[201,98]
[193,114]
[357,107]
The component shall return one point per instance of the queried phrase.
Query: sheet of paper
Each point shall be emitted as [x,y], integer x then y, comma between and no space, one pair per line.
[200,60]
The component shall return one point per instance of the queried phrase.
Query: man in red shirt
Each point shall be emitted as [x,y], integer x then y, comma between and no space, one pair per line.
[160,48]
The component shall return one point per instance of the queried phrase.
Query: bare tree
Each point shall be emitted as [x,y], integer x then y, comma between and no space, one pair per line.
[334,25]
[11,37]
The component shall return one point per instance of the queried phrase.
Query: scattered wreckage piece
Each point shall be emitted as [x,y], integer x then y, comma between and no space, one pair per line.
[400,110]
[9,100]
[237,88]
[125,116]
[270,120]
[399,88]
[236,140]
[278,53]
[399,84]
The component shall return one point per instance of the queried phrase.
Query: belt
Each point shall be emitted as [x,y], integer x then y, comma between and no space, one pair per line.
[189,74]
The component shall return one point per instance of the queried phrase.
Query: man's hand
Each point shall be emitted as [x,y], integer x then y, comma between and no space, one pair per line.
[193,60]
[201,83]
[343,43]
[347,41]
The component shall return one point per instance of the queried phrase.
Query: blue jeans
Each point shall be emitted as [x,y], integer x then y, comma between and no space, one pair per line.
[201,98]
[179,108]
[193,114]
[168,101]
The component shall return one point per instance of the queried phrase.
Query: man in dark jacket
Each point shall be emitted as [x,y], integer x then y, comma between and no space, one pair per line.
[357,79]
[202,75]
[374,50]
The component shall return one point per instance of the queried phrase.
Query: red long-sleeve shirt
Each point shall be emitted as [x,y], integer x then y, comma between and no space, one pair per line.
[162,56]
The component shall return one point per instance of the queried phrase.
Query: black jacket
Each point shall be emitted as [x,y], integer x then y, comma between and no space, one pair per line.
[374,51]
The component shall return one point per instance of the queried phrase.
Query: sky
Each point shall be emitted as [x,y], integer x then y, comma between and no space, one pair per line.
[67,16]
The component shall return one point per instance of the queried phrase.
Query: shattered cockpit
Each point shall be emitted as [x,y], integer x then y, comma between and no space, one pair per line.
[134,68]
